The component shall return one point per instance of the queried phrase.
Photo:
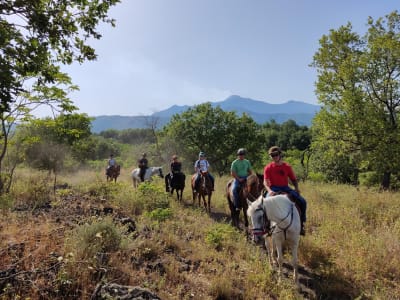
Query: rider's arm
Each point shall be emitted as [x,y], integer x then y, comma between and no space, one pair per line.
[296,185]
[267,185]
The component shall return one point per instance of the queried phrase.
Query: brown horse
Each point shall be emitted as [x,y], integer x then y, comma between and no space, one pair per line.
[250,190]
[113,173]
[203,189]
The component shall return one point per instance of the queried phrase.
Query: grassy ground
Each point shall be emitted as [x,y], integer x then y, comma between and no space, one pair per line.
[60,246]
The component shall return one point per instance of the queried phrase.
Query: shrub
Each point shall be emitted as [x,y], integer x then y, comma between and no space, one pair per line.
[219,235]
[90,240]
[160,214]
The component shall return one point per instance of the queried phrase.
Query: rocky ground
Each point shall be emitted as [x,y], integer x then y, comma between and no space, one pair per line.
[32,243]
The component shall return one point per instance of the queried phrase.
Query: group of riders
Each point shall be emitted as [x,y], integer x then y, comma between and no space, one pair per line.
[277,174]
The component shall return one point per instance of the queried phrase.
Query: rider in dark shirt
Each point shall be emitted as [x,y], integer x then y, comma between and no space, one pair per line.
[143,165]
[175,168]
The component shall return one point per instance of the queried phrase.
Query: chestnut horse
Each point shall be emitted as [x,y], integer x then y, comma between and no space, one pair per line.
[250,190]
[204,189]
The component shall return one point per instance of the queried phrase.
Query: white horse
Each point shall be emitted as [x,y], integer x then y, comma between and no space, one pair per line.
[284,219]
[147,176]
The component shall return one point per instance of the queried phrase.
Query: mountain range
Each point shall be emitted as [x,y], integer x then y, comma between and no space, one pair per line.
[261,112]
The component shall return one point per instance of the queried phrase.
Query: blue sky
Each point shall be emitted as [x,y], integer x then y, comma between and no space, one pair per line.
[187,52]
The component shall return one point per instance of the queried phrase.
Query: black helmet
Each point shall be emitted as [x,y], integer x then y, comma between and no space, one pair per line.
[241,151]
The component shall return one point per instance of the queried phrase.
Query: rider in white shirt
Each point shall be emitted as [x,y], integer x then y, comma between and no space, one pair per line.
[202,165]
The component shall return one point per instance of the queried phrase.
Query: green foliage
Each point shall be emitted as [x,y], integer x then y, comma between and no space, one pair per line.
[90,240]
[219,235]
[160,214]
[130,136]
[35,38]
[214,131]
[287,135]
[33,193]
[152,197]
[358,84]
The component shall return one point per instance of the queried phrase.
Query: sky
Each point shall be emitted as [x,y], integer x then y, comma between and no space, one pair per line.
[186,52]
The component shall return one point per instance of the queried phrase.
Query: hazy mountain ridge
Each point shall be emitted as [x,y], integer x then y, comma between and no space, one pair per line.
[302,113]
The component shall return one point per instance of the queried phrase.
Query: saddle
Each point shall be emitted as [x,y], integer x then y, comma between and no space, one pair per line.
[290,196]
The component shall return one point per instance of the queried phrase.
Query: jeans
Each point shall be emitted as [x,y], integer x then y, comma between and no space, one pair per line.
[235,191]
[300,200]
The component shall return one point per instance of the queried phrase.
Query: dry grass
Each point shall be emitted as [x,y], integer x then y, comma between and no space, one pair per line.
[181,252]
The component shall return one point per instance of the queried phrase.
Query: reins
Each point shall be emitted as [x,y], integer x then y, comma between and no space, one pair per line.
[271,230]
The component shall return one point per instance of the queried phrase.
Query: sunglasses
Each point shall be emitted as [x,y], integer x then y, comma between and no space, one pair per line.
[274,154]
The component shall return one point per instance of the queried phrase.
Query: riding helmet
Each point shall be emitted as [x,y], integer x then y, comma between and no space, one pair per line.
[202,154]
[241,151]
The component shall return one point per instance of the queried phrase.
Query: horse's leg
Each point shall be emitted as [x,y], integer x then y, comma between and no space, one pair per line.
[278,244]
[270,252]
[246,220]
[294,246]
[209,203]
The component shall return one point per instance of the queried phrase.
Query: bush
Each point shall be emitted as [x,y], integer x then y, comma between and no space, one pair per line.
[90,240]
[219,235]
[160,214]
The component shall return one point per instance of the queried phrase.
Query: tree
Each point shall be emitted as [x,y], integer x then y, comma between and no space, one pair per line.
[216,132]
[288,135]
[35,38]
[359,87]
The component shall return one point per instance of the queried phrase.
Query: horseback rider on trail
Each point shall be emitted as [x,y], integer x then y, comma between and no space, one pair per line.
[112,163]
[143,165]
[276,179]
[175,168]
[202,165]
[240,169]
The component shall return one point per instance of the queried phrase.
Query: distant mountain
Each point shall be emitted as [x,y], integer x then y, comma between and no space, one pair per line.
[302,113]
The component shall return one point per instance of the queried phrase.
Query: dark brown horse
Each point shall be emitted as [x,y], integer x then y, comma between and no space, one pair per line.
[203,190]
[177,183]
[113,173]
[250,190]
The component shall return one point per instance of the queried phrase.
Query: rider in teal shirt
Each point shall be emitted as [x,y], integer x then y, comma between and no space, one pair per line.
[240,169]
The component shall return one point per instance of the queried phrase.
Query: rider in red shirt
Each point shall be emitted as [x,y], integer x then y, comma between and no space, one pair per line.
[276,179]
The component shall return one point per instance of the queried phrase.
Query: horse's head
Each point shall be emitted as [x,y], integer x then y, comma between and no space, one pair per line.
[254,186]
[258,217]
[203,173]
[160,172]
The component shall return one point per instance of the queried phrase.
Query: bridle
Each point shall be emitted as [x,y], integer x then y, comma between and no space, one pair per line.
[268,230]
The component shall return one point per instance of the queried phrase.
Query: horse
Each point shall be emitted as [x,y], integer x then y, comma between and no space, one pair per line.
[177,182]
[204,189]
[113,173]
[279,212]
[147,175]
[250,189]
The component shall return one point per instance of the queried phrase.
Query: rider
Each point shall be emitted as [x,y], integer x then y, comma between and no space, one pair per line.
[276,179]
[240,169]
[202,165]
[143,165]
[175,167]
[111,163]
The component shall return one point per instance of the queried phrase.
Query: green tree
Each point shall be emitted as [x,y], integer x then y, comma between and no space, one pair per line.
[358,85]
[287,135]
[217,132]
[35,38]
